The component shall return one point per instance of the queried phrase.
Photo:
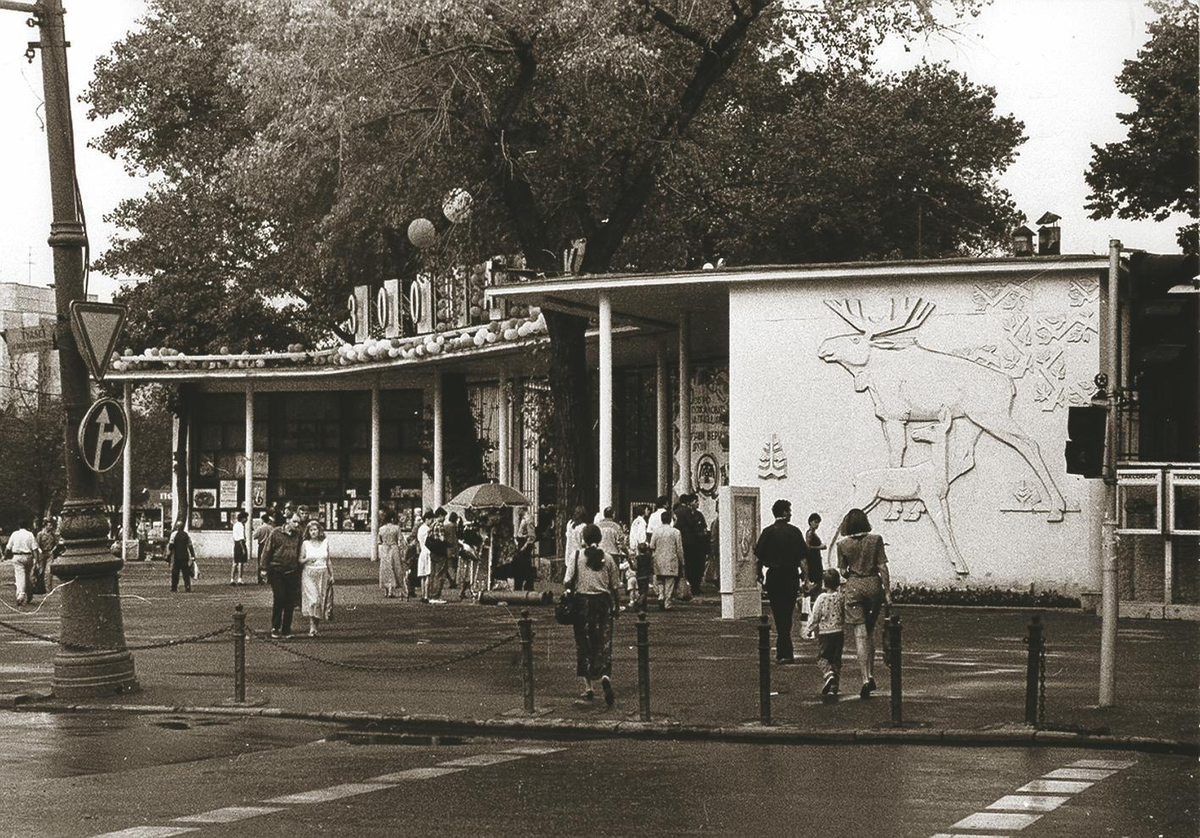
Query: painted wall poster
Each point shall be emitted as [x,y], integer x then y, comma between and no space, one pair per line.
[204,499]
[229,494]
[259,489]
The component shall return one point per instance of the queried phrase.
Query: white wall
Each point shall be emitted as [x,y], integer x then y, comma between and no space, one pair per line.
[1040,330]
[218,544]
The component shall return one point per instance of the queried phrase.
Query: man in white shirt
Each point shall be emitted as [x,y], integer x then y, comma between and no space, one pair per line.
[640,556]
[240,554]
[656,517]
[22,551]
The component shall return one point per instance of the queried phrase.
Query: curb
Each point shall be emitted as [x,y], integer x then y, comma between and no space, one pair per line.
[575,730]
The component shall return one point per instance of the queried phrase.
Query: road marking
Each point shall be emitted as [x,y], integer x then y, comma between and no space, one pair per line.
[966,835]
[414,774]
[995,820]
[149,832]
[230,814]
[480,760]
[533,752]
[1056,786]
[1029,802]
[1104,763]
[331,793]
[1077,774]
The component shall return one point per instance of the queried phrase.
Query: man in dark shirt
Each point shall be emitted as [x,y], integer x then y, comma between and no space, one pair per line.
[690,522]
[282,559]
[781,549]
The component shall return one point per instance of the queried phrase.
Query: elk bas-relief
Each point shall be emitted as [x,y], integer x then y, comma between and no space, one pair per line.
[920,392]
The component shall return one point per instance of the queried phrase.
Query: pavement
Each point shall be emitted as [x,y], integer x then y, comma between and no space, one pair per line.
[390,664]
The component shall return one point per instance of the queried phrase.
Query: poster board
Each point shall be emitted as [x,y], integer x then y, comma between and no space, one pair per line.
[229,494]
[740,526]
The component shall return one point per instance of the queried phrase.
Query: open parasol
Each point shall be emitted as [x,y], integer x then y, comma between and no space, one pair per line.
[489,496]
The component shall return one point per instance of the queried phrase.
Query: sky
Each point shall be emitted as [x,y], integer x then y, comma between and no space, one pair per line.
[1052,62]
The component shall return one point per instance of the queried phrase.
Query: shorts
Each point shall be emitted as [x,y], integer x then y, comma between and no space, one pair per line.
[239,552]
[862,599]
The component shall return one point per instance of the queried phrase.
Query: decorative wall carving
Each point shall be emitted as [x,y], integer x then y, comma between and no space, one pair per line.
[772,463]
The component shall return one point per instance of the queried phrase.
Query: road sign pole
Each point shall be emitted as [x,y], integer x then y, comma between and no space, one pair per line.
[92,659]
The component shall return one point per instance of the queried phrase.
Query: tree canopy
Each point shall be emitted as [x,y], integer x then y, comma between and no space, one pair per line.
[1154,172]
[293,142]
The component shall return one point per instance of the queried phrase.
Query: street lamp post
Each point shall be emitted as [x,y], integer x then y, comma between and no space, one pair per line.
[92,658]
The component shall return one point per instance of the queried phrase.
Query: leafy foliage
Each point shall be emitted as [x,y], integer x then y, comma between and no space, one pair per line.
[988,596]
[1154,172]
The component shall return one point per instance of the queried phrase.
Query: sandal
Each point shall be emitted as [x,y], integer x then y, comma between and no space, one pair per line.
[587,696]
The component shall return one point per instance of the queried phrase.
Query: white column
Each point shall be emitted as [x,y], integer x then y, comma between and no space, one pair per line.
[249,452]
[504,430]
[375,472]
[661,382]
[685,405]
[127,474]
[177,487]
[1109,608]
[439,477]
[606,401]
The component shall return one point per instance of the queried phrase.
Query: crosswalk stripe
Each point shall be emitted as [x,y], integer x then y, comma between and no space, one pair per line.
[1028,802]
[1077,774]
[1056,786]
[230,814]
[414,774]
[148,832]
[996,820]
[331,793]
[1104,763]
[480,760]
[533,752]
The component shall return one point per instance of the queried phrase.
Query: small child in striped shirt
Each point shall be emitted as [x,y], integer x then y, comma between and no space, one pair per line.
[828,626]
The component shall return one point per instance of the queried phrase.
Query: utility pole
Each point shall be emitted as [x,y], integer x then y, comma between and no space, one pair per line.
[92,658]
[1109,608]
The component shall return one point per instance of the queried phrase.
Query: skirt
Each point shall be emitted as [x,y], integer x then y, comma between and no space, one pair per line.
[392,570]
[316,593]
[593,635]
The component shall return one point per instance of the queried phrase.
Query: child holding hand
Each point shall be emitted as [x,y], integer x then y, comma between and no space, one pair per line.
[827,625]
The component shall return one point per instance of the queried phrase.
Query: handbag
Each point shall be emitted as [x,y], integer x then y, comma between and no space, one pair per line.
[564,608]
[195,568]
[37,579]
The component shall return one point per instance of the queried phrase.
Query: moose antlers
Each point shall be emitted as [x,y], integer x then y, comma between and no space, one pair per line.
[900,318]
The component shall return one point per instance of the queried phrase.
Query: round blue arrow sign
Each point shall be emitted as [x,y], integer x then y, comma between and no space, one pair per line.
[102,435]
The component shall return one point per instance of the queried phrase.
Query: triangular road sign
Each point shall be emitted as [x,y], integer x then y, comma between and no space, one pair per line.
[96,327]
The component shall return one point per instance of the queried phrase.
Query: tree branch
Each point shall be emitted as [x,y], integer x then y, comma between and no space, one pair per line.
[670,22]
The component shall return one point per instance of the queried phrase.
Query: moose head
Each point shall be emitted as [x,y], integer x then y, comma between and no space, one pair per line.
[853,350]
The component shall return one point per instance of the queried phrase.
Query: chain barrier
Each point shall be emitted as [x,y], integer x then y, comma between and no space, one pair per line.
[366,667]
[86,647]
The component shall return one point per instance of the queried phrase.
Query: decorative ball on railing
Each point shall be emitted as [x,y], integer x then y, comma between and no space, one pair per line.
[457,206]
[421,233]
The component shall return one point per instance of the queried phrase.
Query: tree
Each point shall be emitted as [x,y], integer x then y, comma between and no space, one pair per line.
[33,480]
[1154,171]
[338,124]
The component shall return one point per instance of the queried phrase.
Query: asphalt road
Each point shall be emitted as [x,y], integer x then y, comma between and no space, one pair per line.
[158,776]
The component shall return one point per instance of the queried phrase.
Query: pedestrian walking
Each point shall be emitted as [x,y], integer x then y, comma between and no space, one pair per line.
[316,578]
[524,544]
[641,558]
[827,625]
[667,547]
[240,553]
[183,557]
[22,551]
[813,572]
[592,575]
[50,546]
[574,533]
[470,548]
[780,552]
[282,558]
[425,556]
[393,572]
[862,560]
[438,544]
[261,534]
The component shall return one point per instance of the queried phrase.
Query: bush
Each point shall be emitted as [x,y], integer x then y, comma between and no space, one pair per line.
[919,595]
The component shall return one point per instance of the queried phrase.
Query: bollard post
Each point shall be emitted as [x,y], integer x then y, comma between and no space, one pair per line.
[525,628]
[1032,666]
[892,627]
[643,651]
[239,654]
[764,670]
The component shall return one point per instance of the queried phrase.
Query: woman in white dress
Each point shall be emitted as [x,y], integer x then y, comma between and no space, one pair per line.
[316,579]
[425,557]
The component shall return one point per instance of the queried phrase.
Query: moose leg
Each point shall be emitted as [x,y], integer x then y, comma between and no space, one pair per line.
[895,434]
[1009,432]
[939,515]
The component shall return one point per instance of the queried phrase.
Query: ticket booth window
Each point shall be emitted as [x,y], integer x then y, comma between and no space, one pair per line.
[1139,498]
[1183,501]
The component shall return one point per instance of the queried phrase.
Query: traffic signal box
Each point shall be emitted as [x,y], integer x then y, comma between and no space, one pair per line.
[1085,443]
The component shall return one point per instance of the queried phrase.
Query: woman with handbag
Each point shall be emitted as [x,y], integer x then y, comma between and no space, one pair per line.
[316,578]
[593,578]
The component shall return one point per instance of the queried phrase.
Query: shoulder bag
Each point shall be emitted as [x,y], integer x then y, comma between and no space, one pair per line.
[564,608]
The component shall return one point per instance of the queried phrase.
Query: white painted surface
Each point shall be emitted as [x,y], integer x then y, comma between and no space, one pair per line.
[230,814]
[332,793]
[213,545]
[1039,329]
[414,774]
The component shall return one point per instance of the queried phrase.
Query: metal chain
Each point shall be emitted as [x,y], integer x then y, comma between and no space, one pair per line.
[408,667]
[1042,683]
[86,647]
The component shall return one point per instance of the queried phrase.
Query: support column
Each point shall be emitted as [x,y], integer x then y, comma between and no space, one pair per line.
[439,476]
[504,430]
[249,451]
[177,487]
[375,471]
[685,405]
[127,473]
[663,421]
[606,401]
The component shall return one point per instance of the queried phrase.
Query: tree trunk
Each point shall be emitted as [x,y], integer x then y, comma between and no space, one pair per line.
[571,422]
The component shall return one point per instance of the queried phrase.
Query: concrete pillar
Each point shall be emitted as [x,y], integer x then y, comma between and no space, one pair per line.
[606,401]
[663,423]
[177,487]
[439,475]
[127,473]
[249,452]
[504,430]
[375,472]
[685,405]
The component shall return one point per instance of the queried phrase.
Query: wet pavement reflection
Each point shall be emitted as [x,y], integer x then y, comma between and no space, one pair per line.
[37,745]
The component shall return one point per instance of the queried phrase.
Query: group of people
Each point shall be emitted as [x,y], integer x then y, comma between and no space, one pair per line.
[30,555]
[441,549]
[852,594]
